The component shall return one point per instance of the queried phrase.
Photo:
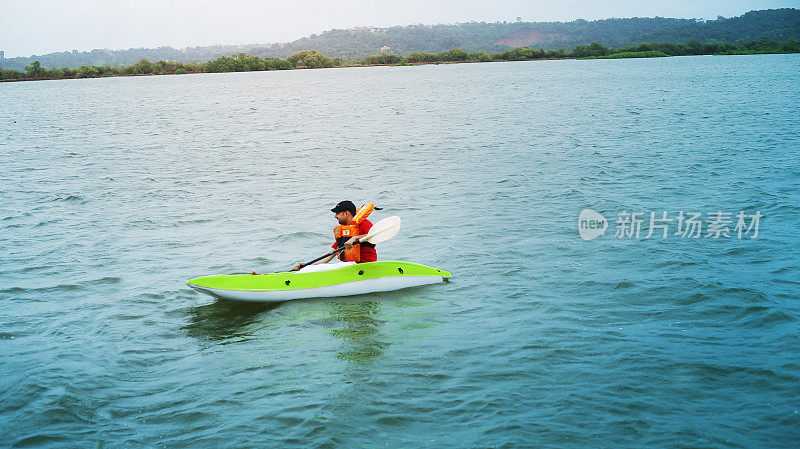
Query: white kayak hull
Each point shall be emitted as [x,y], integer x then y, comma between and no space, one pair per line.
[329,291]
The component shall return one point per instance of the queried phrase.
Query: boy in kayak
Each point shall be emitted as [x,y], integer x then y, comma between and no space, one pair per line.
[353,225]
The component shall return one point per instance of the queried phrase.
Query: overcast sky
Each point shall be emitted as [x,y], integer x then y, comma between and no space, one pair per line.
[30,27]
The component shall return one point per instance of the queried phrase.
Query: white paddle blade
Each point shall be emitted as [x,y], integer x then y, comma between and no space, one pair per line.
[383,230]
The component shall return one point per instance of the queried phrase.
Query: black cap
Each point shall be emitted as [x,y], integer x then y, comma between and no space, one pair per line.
[343,206]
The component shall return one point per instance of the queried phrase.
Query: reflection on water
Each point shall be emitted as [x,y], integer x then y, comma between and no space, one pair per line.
[354,322]
[223,320]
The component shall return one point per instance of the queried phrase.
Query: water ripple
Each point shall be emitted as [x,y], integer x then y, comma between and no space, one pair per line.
[115,191]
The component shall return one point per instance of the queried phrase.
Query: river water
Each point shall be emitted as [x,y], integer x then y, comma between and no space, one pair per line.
[115,191]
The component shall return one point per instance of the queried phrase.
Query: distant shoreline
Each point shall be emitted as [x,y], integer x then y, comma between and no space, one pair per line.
[312,59]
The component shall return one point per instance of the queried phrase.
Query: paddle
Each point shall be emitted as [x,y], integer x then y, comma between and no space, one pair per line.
[378,233]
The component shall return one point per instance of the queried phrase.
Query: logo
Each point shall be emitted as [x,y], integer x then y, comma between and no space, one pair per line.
[686,224]
[591,224]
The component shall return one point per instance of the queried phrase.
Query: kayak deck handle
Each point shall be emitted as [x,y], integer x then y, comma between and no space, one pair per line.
[360,272]
[288,282]
[400,270]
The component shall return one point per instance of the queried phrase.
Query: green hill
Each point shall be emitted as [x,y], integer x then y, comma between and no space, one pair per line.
[775,24]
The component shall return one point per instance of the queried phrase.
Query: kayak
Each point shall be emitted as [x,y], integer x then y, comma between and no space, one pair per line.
[327,280]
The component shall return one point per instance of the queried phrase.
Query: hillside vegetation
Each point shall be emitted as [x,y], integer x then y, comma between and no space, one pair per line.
[312,59]
[354,44]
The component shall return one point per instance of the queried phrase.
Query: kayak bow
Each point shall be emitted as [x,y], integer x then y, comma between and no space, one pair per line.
[348,280]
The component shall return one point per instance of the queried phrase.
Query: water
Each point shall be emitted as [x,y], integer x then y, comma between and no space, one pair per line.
[115,191]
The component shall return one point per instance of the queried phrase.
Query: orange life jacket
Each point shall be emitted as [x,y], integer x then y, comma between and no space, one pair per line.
[343,233]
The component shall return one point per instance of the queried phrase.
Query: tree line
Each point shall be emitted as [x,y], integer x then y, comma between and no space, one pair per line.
[313,59]
[492,37]
[143,67]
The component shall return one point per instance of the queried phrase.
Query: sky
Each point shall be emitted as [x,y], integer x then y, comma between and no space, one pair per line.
[44,26]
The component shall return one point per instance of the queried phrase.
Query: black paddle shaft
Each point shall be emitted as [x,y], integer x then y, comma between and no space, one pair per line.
[336,251]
